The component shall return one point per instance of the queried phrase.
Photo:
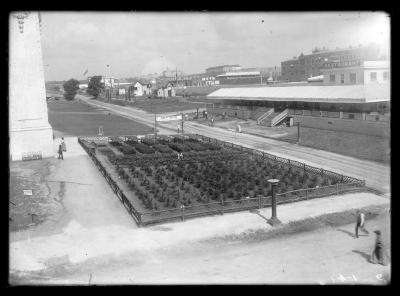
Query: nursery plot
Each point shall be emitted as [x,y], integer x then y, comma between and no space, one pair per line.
[164,177]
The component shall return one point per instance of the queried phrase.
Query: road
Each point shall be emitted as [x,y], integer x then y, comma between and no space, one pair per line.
[377,175]
[324,256]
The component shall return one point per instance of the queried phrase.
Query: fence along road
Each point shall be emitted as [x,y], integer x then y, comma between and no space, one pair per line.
[376,175]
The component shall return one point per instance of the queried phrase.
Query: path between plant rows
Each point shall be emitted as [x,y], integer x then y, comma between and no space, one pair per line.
[377,175]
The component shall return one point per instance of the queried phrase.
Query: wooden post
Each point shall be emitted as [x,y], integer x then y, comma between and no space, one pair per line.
[337,188]
[182,211]
[306,193]
[259,201]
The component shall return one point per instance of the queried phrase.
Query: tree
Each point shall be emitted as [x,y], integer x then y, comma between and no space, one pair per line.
[95,86]
[70,89]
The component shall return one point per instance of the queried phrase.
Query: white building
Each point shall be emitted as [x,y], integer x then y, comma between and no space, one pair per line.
[356,72]
[141,89]
[166,91]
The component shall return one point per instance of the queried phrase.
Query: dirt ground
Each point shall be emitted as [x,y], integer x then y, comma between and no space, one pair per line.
[46,200]
[330,255]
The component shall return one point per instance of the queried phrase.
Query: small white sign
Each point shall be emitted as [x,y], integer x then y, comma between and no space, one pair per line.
[169,118]
[28,192]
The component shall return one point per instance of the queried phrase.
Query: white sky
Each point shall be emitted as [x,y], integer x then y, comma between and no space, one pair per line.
[135,43]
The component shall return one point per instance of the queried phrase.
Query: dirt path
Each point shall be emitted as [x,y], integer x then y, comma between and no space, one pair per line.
[377,175]
[326,256]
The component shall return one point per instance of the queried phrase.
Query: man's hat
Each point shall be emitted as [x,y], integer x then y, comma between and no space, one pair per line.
[377,231]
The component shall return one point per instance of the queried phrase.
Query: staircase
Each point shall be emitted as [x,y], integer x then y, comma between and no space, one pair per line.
[278,118]
[265,115]
[255,114]
[274,118]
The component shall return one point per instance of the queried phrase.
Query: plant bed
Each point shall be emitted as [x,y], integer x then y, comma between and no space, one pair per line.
[207,181]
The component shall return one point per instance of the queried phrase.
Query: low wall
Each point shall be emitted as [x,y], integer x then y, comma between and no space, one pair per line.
[371,128]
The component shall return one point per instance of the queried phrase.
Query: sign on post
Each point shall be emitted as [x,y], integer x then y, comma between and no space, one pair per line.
[169,118]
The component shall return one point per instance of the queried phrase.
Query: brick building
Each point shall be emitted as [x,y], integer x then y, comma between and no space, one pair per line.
[305,66]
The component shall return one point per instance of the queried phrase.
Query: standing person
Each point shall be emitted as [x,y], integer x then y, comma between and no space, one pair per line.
[360,223]
[60,152]
[178,128]
[378,254]
[64,147]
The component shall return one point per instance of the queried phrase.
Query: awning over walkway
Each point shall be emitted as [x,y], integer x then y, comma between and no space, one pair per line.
[359,93]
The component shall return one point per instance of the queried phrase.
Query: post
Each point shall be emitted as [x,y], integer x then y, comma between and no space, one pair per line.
[274,219]
[155,127]
[306,193]
[337,188]
[298,132]
[259,201]
[182,122]
[182,212]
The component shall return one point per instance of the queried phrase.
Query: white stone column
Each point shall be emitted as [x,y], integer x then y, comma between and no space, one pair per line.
[30,131]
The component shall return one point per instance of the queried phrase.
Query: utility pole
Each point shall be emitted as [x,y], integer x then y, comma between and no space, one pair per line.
[298,132]
[155,127]
[182,122]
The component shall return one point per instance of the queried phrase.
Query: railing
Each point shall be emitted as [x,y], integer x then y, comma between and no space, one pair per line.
[346,184]
[265,115]
[264,155]
[279,117]
[222,207]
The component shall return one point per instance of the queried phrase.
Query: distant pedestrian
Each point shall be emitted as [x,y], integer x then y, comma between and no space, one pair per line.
[64,146]
[360,223]
[378,254]
[60,152]
[178,128]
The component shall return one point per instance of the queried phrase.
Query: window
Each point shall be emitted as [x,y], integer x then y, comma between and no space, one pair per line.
[342,78]
[373,76]
[385,75]
[332,78]
[352,77]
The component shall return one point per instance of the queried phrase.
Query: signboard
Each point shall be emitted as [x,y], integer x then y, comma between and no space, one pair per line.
[343,64]
[169,118]
[28,192]
[31,155]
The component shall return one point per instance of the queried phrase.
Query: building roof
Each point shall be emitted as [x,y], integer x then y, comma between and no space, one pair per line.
[358,93]
[231,74]
[215,67]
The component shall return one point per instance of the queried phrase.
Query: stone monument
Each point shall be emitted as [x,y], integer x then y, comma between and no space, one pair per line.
[31,136]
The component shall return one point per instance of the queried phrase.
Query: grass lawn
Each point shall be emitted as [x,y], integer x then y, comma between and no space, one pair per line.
[79,119]
[351,144]
[159,105]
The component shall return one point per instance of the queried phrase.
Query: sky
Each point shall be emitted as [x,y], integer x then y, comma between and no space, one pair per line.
[138,43]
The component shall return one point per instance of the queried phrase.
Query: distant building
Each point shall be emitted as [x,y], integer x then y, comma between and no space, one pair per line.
[356,72]
[108,81]
[239,78]
[270,74]
[306,66]
[166,91]
[142,89]
[213,71]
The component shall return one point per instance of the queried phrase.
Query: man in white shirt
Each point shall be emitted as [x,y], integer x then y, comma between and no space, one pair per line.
[360,223]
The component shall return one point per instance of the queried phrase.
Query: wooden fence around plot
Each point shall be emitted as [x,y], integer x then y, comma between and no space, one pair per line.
[346,184]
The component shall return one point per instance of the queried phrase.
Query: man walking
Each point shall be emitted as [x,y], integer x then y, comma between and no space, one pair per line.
[60,152]
[378,254]
[360,223]
[64,147]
